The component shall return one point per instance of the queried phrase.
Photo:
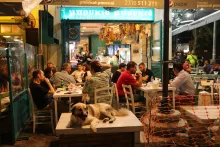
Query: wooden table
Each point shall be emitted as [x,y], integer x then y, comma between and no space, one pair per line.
[202,114]
[62,94]
[146,91]
[125,131]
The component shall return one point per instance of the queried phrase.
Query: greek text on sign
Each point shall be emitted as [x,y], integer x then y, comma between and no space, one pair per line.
[92,13]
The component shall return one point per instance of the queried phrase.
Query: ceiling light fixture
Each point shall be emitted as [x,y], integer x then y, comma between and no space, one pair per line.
[6,36]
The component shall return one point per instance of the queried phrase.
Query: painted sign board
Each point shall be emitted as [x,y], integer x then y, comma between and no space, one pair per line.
[175,4]
[100,13]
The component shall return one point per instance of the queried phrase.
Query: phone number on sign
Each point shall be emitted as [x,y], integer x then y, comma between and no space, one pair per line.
[140,3]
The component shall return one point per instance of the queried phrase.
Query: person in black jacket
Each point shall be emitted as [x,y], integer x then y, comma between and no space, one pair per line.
[116,75]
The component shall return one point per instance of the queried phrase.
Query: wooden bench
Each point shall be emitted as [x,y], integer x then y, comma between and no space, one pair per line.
[125,131]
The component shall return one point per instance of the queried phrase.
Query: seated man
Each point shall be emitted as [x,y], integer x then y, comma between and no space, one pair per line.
[147,74]
[207,68]
[183,82]
[99,79]
[63,75]
[116,75]
[78,74]
[126,78]
[40,92]
[184,85]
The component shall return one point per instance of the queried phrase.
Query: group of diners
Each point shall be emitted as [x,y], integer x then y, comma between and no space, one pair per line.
[98,75]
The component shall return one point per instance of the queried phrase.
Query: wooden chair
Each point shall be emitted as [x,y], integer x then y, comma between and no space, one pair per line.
[100,93]
[116,95]
[130,97]
[41,114]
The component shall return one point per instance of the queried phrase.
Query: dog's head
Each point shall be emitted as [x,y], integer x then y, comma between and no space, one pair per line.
[80,110]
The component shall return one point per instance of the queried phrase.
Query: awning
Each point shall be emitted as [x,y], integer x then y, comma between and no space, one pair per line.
[198,23]
[14,7]
[29,5]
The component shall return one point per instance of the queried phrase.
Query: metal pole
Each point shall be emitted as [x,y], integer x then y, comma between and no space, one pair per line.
[214,42]
[166,48]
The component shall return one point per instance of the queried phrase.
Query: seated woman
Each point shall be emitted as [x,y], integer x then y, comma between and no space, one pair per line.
[48,73]
[116,75]
[99,79]
[87,74]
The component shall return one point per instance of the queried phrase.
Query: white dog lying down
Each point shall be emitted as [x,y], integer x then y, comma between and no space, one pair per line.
[92,114]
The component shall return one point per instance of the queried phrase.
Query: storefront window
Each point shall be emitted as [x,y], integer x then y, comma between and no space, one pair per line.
[156,51]
[10,28]
[17,66]
[156,31]
[31,54]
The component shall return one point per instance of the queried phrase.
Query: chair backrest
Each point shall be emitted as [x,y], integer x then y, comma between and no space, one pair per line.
[32,101]
[129,96]
[105,92]
[218,80]
[116,94]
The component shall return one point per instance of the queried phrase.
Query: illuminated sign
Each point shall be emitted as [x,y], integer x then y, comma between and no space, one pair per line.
[99,13]
[188,4]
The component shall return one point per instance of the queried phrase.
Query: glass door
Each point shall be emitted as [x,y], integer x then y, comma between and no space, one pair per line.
[156,48]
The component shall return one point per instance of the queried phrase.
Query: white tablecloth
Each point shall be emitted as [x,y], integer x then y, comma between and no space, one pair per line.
[147,90]
[65,94]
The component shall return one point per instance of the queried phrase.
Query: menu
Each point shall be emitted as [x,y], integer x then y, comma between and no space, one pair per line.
[174,4]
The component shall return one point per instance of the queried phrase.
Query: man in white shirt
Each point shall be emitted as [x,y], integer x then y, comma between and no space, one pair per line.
[78,74]
[183,81]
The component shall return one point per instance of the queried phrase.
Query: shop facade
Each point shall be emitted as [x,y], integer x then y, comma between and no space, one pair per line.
[131,28]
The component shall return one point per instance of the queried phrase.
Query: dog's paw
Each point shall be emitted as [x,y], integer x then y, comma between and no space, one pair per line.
[105,120]
[94,129]
[112,120]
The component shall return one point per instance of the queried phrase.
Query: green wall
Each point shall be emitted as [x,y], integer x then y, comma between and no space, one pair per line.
[95,43]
